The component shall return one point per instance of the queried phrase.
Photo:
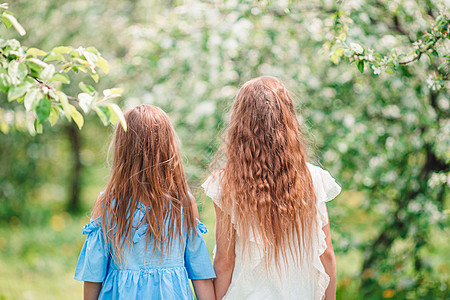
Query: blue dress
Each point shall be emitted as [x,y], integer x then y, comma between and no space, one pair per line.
[150,276]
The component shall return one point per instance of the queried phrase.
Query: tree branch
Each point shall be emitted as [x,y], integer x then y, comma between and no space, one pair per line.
[420,53]
[52,88]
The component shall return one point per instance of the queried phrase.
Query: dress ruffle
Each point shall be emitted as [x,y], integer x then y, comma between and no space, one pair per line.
[139,228]
[326,189]
[91,226]
[213,188]
[94,258]
[134,284]
[201,227]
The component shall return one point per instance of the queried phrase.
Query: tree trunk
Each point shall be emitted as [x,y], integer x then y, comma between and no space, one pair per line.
[398,227]
[75,181]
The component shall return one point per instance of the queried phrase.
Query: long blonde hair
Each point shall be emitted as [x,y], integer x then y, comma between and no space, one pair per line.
[266,184]
[146,168]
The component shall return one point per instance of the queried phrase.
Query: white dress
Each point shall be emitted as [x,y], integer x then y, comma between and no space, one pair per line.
[250,279]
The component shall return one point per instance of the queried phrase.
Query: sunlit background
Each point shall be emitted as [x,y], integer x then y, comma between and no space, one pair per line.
[384,137]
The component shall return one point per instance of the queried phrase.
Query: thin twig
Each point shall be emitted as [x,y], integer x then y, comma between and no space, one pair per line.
[53,89]
[420,53]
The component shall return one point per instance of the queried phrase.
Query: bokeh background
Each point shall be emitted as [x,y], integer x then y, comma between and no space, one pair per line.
[384,137]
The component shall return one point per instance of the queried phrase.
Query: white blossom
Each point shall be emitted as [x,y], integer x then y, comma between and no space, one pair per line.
[376,70]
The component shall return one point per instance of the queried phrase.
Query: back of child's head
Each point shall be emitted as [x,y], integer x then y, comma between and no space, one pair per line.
[146,171]
[266,182]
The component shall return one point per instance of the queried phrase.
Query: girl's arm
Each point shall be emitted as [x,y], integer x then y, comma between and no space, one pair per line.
[204,289]
[194,205]
[329,264]
[225,256]
[92,290]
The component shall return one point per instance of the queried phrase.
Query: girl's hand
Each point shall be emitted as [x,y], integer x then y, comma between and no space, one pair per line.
[204,289]
[92,290]
[225,256]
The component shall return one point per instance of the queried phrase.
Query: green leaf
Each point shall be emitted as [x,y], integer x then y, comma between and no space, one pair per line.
[22,71]
[32,98]
[360,65]
[116,92]
[47,73]
[115,111]
[357,48]
[74,53]
[93,50]
[62,50]
[38,127]
[342,36]
[95,77]
[61,77]
[85,101]
[113,93]
[396,65]
[112,116]
[339,52]
[86,88]
[103,64]
[4,127]
[43,109]
[38,62]
[442,66]
[79,68]
[54,114]
[334,59]
[13,21]
[65,103]
[17,91]
[378,55]
[34,68]
[76,116]
[36,52]
[52,95]
[103,117]
[54,57]
[17,72]
[4,81]
[90,57]
[389,70]
[7,23]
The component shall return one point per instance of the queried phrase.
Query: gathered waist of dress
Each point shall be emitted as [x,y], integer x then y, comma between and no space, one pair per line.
[149,265]
[149,269]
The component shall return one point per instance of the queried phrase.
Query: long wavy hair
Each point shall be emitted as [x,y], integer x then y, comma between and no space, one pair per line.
[146,168]
[266,184]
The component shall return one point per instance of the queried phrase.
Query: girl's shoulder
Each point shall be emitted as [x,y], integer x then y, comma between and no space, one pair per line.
[212,186]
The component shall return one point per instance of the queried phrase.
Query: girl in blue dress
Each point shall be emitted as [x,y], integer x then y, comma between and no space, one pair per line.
[144,240]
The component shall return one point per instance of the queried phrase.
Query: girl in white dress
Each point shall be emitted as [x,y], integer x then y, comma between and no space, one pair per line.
[272,234]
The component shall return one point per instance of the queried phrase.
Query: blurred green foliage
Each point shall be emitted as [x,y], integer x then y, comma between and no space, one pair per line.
[385,137]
